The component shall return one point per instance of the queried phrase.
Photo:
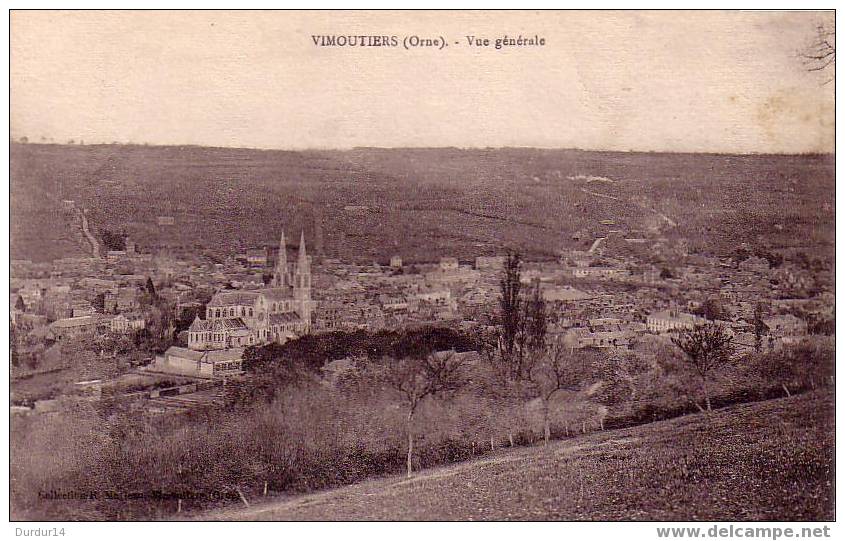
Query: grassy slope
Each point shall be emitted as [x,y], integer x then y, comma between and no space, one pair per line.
[764,461]
[422,202]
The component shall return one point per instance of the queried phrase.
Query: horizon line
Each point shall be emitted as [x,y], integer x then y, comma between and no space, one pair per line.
[448,147]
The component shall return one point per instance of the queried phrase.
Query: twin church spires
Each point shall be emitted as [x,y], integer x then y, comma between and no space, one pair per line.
[302,273]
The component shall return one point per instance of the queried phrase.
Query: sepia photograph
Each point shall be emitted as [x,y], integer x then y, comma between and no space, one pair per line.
[423,265]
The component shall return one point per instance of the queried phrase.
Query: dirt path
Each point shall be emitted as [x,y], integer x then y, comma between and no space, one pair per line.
[95,246]
[662,216]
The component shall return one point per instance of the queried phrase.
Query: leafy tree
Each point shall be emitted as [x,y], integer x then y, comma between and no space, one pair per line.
[13,344]
[511,310]
[99,302]
[707,348]
[522,320]
[713,309]
[20,305]
[822,326]
[151,290]
[269,374]
[159,328]
[740,254]
[519,342]
[113,240]
[775,259]
[187,316]
[535,320]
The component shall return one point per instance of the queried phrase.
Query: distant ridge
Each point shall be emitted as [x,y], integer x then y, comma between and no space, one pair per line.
[375,148]
[423,202]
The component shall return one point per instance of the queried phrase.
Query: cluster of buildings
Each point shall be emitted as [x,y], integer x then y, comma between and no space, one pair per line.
[236,319]
[65,306]
[595,299]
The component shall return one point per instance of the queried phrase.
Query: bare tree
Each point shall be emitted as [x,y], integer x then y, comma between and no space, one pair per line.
[707,348]
[760,328]
[436,375]
[555,370]
[821,53]
[497,383]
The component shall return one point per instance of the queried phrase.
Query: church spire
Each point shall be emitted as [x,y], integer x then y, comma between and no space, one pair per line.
[302,276]
[303,258]
[302,285]
[281,271]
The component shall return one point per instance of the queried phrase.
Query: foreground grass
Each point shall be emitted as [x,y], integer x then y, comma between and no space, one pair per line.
[770,460]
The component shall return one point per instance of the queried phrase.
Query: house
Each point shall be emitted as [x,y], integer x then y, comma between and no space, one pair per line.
[202,364]
[393,303]
[113,256]
[490,263]
[438,297]
[607,273]
[603,333]
[786,326]
[670,320]
[31,294]
[124,300]
[257,257]
[579,338]
[564,294]
[82,308]
[448,264]
[73,327]
[329,316]
[246,281]
[125,323]
[97,285]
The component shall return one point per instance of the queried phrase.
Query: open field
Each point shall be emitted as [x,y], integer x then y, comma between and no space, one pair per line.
[769,460]
[418,203]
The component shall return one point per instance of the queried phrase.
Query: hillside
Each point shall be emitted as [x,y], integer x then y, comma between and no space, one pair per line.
[763,461]
[418,203]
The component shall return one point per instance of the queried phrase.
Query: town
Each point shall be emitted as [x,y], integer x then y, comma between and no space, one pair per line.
[159,316]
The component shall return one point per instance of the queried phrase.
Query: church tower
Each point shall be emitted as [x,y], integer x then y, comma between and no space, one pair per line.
[281,271]
[302,283]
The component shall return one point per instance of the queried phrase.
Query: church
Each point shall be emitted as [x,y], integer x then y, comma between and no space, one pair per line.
[276,313]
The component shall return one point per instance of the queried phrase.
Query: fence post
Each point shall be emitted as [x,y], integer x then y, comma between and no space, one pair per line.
[241,494]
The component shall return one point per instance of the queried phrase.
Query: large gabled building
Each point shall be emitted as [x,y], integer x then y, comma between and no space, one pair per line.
[236,319]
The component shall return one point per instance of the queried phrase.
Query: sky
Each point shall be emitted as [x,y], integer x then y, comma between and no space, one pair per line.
[651,81]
